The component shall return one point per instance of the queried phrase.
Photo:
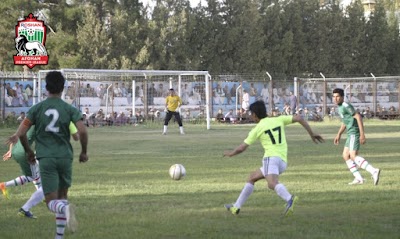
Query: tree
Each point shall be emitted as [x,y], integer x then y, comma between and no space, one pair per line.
[94,43]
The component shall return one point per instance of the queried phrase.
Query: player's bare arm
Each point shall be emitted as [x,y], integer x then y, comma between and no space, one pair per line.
[360,123]
[22,129]
[239,149]
[29,152]
[8,155]
[339,134]
[83,136]
[316,138]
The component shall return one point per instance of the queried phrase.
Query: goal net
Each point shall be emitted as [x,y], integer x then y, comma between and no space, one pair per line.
[135,94]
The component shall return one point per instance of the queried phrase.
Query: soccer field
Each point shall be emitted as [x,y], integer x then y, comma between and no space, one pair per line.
[125,191]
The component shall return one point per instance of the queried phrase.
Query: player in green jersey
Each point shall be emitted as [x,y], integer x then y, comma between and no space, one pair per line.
[271,134]
[172,102]
[31,173]
[51,118]
[353,123]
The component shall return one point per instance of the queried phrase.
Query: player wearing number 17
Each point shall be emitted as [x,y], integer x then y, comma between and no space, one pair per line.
[51,118]
[271,134]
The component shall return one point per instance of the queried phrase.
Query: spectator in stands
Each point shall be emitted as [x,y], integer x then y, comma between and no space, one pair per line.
[233,90]
[117,90]
[139,117]
[219,95]
[245,101]
[229,117]
[121,119]
[228,95]
[185,94]
[220,115]
[21,117]
[253,90]
[151,93]
[264,94]
[196,97]
[99,118]
[124,90]
[367,113]
[7,97]
[287,109]
[100,91]
[29,91]
[89,91]
[161,92]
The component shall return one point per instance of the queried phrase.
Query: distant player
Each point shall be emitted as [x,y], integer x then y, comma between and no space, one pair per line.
[31,173]
[172,102]
[352,121]
[271,134]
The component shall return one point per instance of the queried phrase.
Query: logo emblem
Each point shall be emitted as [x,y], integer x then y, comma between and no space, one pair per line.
[30,38]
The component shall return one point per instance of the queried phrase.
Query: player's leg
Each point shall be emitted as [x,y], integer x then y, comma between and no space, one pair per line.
[362,163]
[168,117]
[36,197]
[179,120]
[34,200]
[21,180]
[245,193]
[52,178]
[351,146]
[272,168]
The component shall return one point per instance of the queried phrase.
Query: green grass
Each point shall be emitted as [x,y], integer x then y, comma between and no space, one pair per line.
[124,191]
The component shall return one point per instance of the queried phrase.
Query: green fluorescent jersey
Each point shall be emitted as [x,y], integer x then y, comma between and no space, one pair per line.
[271,134]
[52,118]
[346,112]
[18,151]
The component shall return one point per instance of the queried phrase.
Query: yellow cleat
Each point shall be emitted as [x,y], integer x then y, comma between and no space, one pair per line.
[4,190]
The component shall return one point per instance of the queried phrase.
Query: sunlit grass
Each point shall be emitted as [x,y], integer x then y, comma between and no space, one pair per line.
[124,191]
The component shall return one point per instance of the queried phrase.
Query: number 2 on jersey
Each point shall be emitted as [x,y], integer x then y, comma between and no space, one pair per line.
[272,136]
[51,126]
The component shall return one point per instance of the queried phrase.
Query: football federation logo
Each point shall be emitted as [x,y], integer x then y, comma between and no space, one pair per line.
[30,38]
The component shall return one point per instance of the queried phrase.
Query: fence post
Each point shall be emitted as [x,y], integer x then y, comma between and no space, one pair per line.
[374,94]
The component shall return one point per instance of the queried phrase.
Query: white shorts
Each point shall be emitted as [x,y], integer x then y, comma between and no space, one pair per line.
[273,165]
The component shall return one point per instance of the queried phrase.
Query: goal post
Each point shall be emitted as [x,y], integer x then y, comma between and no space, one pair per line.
[135,92]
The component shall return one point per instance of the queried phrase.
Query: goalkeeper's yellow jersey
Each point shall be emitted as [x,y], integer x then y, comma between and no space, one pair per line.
[271,134]
[173,102]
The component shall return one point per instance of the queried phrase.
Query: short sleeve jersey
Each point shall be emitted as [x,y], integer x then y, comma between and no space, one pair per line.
[18,150]
[346,112]
[271,134]
[52,118]
[173,102]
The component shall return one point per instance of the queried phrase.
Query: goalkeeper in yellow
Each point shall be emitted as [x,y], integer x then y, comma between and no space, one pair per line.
[172,102]
[271,134]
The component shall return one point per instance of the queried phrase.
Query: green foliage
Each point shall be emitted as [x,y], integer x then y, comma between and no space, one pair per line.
[124,191]
[286,38]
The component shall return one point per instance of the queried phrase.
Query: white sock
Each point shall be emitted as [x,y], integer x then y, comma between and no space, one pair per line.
[282,192]
[353,169]
[362,163]
[21,180]
[244,195]
[181,129]
[165,128]
[34,200]
[61,222]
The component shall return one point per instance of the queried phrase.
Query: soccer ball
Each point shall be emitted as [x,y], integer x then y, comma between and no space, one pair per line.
[177,171]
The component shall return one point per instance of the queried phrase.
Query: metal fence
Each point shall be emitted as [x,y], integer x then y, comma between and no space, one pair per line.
[311,97]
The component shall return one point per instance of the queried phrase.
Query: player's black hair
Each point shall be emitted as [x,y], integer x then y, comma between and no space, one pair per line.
[338,91]
[259,109]
[55,82]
